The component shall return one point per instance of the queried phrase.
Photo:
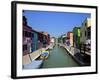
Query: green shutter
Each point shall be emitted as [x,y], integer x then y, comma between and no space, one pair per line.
[78,32]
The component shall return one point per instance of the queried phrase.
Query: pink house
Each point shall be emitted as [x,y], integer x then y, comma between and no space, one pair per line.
[27,37]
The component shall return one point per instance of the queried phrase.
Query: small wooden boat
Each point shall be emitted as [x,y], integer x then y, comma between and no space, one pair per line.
[44,55]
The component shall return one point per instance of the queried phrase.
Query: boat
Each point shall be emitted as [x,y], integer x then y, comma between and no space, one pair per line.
[35,64]
[44,54]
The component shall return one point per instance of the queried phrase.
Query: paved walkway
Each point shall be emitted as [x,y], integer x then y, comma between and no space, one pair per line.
[34,55]
[75,53]
[74,50]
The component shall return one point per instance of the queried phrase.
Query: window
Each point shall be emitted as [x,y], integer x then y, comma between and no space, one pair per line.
[32,34]
[81,34]
[29,34]
[23,33]
[26,34]
[89,32]
[85,33]
[24,47]
[86,24]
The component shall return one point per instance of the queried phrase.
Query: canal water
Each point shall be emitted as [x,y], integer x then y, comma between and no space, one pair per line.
[59,58]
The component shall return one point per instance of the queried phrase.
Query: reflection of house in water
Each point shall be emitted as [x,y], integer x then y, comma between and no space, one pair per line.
[86,32]
[76,37]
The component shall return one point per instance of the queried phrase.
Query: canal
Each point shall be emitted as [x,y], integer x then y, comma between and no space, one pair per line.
[59,58]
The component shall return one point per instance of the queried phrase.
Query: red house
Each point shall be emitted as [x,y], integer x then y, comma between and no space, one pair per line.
[27,37]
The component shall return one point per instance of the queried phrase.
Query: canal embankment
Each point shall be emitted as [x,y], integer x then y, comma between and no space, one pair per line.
[32,60]
[73,52]
[58,57]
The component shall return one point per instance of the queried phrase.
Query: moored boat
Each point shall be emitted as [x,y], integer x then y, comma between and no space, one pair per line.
[44,54]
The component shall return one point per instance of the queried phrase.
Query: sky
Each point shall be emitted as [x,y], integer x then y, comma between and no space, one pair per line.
[55,23]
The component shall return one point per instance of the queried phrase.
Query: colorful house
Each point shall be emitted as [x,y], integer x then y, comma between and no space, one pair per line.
[63,38]
[40,40]
[52,41]
[27,37]
[46,39]
[86,32]
[34,40]
[76,37]
[70,38]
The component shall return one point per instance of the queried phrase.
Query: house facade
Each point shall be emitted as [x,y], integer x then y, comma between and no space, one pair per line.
[70,38]
[46,39]
[76,37]
[86,32]
[27,37]
[34,40]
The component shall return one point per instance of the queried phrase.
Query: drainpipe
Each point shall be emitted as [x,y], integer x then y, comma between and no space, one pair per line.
[84,48]
[80,48]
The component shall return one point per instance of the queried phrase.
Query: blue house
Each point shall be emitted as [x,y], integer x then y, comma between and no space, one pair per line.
[34,41]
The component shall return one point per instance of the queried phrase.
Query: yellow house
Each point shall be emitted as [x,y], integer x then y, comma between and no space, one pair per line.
[86,31]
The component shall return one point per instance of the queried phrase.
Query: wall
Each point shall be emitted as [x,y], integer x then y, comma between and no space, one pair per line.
[71,39]
[76,36]
[84,33]
[5,41]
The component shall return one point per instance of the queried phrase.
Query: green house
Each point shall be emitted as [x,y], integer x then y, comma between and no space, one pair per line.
[76,37]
